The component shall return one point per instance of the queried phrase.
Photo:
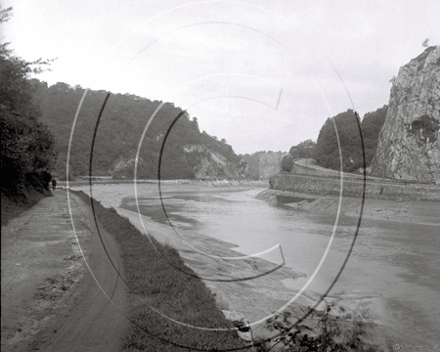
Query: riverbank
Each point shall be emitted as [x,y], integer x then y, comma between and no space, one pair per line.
[169,306]
[409,211]
[197,182]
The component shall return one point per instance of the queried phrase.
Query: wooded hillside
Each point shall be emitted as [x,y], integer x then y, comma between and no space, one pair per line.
[119,133]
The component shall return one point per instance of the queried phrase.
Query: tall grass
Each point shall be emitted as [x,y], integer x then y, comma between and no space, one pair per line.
[154,282]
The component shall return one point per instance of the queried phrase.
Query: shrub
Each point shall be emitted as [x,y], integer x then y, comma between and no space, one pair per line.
[332,333]
[287,163]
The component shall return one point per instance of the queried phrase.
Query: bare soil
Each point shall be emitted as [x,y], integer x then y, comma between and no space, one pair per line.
[53,297]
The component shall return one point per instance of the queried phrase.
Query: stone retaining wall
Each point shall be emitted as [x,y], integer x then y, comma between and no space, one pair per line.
[354,188]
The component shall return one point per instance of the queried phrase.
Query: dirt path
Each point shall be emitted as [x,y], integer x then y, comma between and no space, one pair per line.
[50,299]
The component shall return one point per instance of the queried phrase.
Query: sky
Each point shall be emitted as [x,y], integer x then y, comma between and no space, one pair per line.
[262,74]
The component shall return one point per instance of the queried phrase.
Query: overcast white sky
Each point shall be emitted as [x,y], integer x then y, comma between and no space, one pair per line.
[263,74]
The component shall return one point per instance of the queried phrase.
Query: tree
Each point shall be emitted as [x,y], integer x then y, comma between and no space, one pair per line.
[305,149]
[371,126]
[347,125]
[287,163]
[27,145]
[343,141]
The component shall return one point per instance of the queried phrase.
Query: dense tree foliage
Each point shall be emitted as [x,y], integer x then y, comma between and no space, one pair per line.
[328,151]
[347,127]
[27,147]
[305,149]
[119,133]
[287,163]
[371,126]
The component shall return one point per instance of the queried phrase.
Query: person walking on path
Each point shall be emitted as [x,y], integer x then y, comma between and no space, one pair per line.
[54,183]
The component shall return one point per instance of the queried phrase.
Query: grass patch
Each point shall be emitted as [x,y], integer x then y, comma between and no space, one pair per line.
[177,295]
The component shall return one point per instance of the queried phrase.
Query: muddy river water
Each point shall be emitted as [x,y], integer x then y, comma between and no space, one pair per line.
[392,274]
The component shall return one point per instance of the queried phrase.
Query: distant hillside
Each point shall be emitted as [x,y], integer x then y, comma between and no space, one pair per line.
[263,164]
[188,153]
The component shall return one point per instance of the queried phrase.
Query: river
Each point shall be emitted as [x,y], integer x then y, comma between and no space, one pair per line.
[392,274]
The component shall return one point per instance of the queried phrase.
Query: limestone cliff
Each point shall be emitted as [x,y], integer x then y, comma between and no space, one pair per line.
[264,164]
[210,164]
[202,161]
[409,144]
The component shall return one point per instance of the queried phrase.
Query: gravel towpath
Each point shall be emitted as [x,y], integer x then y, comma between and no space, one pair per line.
[53,297]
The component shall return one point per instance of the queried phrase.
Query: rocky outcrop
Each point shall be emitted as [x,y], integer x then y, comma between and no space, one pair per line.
[264,164]
[409,143]
[205,163]
[209,164]
[124,168]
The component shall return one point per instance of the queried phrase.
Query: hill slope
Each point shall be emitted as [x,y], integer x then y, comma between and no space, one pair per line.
[187,152]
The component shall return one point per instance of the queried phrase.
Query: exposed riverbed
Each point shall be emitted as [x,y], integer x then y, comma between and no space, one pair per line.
[391,275]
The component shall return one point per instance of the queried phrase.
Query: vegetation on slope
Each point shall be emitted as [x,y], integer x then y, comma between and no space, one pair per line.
[305,149]
[331,333]
[371,126]
[152,281]
[347,130]
[326,150]
[27,145]
[119,132]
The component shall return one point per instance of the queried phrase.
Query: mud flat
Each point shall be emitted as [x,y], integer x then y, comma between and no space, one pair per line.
[250,286]
[254,298]
[410,211]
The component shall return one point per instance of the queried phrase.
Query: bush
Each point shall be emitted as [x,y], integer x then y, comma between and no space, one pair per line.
[287,163]
[332,333]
